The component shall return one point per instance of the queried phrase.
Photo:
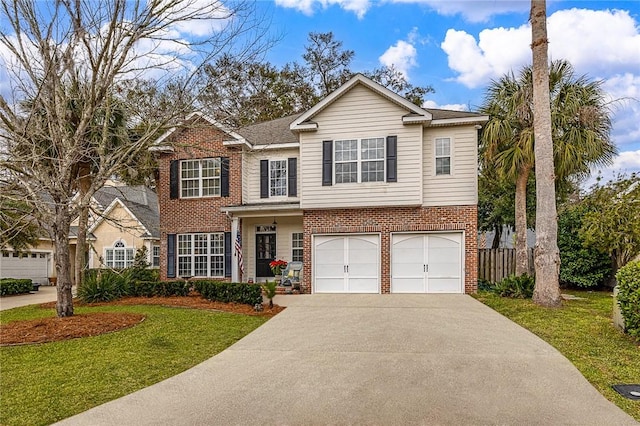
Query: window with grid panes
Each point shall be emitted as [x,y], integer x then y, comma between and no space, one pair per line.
[443,156]
[201,255]
[296,246]
[119,256]
[200,178]
[277,178]
[359,160]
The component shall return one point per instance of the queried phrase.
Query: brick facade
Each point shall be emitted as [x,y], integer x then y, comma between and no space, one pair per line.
[186,215]
[387,220]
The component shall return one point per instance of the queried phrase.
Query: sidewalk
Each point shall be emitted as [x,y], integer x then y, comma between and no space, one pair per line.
[45,294]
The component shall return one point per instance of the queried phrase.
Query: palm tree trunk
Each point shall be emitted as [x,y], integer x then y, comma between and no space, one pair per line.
[522,254]
[547,255]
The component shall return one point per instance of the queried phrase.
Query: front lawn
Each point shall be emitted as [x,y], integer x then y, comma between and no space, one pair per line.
[583,332]
[44,383]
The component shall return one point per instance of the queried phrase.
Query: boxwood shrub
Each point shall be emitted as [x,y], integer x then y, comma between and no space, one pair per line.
[9,286]
[628,278]
[220,291]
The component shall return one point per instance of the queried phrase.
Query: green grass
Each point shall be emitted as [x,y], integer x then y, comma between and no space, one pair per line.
[583,331]
[48,382]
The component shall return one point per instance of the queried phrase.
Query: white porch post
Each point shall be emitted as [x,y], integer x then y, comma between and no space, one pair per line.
[235,272]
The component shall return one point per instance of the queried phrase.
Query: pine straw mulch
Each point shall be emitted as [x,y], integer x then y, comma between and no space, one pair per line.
[53,329]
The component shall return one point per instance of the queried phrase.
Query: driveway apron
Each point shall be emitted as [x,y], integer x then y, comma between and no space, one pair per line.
[373,359]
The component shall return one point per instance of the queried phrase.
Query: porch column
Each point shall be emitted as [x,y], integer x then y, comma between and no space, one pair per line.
[235,272]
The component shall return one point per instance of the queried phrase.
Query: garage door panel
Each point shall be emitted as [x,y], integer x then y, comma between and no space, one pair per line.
[444,285]
[362,285]
[329,285]
[408,285]
[348,263]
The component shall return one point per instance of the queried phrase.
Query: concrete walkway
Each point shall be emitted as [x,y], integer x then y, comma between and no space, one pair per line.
[44,295]
[373,359]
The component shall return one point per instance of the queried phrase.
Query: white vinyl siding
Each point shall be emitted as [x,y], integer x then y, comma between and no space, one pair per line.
[251,174]
[360,114]
[460,187]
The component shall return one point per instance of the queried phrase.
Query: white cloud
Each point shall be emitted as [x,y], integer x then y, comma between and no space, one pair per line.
[626,163]
[595,42]
[624,96]
[402,56]
[451,107]
[308,7]
[472,11]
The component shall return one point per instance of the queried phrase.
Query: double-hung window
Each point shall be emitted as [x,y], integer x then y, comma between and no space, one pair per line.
[155,255]
[359,160]
[200,178]
[278,178]
[443,156]
[201,255]
[119,256]
[296,246]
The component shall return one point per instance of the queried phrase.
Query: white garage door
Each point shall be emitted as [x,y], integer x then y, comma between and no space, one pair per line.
[34,266]
[426,263]
[346,264]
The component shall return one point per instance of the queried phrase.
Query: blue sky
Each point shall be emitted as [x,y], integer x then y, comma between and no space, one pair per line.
[459,46]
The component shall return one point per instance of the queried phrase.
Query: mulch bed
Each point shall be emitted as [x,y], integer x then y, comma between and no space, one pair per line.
[84,325]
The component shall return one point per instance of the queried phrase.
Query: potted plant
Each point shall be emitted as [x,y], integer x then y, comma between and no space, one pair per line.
[277,266]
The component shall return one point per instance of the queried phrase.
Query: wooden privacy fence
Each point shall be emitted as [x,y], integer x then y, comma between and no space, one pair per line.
[496,264]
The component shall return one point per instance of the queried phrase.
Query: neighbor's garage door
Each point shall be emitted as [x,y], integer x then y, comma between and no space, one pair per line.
[33,266]
[346,264]
[426,263]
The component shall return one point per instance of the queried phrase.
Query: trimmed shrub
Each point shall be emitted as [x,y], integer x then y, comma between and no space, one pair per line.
[102,286]
[220,291]
[10,286]
[628,278]
[485,285]
[171,288]
[516,287]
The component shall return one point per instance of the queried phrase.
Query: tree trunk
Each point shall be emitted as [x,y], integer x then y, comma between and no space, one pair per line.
[547,255]
[64,305]
[496,236]
[522,249]
[84,184]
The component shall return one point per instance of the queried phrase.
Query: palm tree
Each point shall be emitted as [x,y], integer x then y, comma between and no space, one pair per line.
[580,126]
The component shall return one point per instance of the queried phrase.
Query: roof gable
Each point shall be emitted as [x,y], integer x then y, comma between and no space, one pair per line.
[415,114]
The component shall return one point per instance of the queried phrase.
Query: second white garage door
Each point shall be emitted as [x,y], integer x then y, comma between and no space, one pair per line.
[426,263]
[346,264]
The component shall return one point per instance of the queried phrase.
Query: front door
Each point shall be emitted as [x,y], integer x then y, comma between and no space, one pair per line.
[265,253]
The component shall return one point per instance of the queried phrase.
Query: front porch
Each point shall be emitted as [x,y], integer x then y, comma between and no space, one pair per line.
[267,232]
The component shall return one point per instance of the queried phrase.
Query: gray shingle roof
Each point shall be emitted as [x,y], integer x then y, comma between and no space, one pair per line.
[140,200]
[270,132]
[443,114]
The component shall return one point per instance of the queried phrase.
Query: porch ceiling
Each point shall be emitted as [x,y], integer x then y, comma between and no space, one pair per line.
[258,210]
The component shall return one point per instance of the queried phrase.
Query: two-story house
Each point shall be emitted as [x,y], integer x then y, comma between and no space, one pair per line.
[371,192]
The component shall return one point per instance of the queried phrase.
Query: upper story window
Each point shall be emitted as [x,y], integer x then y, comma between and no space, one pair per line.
[119,256]
[359,160]
[278,178]
[200,178]
[443,156]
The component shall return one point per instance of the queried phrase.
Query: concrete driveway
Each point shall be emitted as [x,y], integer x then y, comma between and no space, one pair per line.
[373,359]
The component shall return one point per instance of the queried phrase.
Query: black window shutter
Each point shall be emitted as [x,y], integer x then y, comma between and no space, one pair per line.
[264,178]
[171,255]
[327,163]
[392,158]
[227,254]
[174,179]
[293,177]
[224,176]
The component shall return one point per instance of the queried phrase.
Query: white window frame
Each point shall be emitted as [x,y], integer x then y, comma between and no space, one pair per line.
[155,255]
[119,256]
[442,155]
[201,255]
[283,187]
[297,246]
[360,160]
[203,186]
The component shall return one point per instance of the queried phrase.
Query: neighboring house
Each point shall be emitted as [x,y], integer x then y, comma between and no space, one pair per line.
[371,192]
[125,219]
